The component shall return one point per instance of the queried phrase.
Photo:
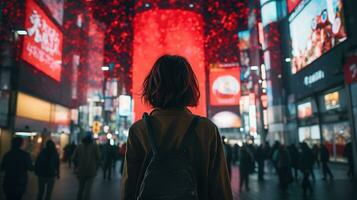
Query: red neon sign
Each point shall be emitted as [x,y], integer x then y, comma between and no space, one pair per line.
[42,47]
[225,86]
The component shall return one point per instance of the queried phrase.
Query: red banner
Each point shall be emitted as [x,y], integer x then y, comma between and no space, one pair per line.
[42,47]
[351,68]
[225,86]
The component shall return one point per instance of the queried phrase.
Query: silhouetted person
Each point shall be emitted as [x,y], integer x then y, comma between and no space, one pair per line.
[316,151]
[274,153]
[228,154]
[86,159]
[245,167]
[122,155]
[235,153]
[325,158]
[295,156]
[47,169]
[68,152]
[108,157]
[284,167]
[306,164]
[15,164]
[169,88]
[349,155]
[260,156]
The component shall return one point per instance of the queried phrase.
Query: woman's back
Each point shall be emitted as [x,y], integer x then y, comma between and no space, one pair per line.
[205,153]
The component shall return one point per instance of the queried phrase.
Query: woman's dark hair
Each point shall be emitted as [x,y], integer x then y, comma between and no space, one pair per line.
[171,83]
[50,146]
[16,142]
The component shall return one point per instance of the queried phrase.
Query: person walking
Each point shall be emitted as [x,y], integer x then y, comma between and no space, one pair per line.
[108,158]
[306,163]
[284,168]
[68,152]
[171,129]
[15,165]
[294,155]
[245,167]
[86,160]
[47,169]
[260,156]
[325,158]
[228,153]
[347,153]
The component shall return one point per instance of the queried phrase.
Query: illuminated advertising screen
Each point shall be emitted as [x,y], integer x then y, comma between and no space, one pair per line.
[175,32]
[305,110]
[332,100]
[292,4]
[224,86]
[42,47]
[315,27]
[226,119]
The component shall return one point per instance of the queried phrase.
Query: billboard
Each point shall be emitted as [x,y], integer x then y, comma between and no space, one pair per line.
[305,110]
[42,47]
[225,86]
[315,27]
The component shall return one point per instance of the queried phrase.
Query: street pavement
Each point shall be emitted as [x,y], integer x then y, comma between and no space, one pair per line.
[340,188]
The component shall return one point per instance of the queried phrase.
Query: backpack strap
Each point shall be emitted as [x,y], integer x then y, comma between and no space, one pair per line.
[190,134]
[151,135]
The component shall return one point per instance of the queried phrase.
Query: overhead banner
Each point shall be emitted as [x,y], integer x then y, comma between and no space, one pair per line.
[42,47]
[225,86]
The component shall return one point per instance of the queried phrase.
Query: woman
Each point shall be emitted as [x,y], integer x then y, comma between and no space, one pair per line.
[169,88]
[47,169]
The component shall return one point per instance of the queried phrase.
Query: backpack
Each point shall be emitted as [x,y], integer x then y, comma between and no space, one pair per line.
[168,176]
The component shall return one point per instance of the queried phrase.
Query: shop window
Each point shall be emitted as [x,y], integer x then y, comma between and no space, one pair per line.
[335,137]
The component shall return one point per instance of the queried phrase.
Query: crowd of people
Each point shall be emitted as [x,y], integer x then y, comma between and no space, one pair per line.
[288,162]
[84,159]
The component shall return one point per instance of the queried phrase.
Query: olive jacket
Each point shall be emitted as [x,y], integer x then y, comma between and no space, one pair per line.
[205,153]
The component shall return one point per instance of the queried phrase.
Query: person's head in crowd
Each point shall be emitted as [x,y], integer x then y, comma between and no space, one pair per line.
[171,83]
[16,142]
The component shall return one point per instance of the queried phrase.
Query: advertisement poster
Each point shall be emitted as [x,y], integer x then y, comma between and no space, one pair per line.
[332,100]
[315,28]
[225,86]
[42,47]
[350,68]
[56,9]
[305,110]
[292,4]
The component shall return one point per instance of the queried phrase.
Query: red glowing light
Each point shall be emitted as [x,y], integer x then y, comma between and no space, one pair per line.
[42,47]
[174,31]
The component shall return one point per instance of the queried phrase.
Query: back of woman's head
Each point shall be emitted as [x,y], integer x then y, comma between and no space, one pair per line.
[16,142]
[171,83]
[50,146]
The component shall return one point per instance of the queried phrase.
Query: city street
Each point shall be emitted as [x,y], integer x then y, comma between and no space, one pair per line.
[340,188]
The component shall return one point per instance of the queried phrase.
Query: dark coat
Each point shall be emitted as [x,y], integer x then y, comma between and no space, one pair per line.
[47,164]
[15,164]
[205,154]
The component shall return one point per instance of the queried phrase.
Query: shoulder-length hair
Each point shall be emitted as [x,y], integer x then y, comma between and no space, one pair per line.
[171,83]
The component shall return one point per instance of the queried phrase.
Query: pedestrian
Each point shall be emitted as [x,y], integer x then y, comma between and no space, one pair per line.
[68,152]
[122,155]
[274,153]
[47,169]
[86,160]
[108,157]
[228,154]
[347,153]
[245,167]
[260,156]
[316,151]
[325,158]
[188,144]
[306,164]
[236,153]
[284,168]
[294,155]
[15,165]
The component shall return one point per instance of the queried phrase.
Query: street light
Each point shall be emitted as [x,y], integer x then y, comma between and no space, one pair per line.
[21,32]
[105,68]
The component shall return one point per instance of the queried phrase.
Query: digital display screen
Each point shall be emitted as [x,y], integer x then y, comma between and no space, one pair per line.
[225,86]
[315,27]
[332,100]
[305,110]
[42,47]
